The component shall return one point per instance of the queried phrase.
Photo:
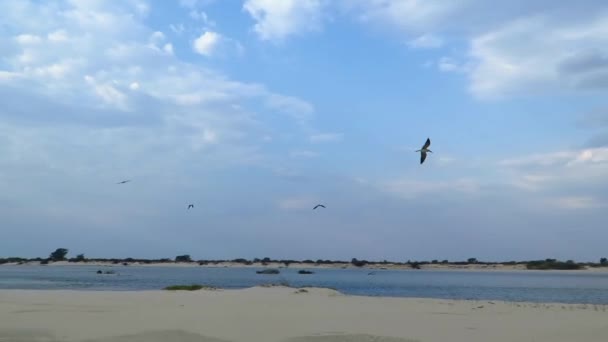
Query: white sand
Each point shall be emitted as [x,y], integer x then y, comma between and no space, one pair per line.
[281,315]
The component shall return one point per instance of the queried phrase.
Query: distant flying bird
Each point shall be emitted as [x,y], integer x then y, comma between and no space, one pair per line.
[124,181]
[424,150]
[190,206]
[318,205]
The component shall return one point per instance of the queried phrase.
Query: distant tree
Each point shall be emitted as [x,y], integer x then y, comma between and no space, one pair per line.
[59,254]
[183,258]
[358,263]
[266,260]
[80,257]
[603,261]
[434,261]
[445,261]
[472,260]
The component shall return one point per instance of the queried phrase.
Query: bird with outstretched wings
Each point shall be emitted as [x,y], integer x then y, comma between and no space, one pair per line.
[424,150]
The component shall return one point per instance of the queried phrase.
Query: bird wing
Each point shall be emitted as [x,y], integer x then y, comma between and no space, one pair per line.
[427,143]
[422,157]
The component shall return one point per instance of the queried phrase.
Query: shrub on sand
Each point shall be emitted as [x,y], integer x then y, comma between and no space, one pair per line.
[192,287]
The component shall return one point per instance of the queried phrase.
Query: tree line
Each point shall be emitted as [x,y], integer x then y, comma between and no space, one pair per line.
[60,254]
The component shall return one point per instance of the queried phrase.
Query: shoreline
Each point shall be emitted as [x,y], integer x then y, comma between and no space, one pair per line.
[302,289]
[301,265]
[282,314]
[277,288]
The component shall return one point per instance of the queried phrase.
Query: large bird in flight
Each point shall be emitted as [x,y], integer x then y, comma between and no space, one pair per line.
[424,150]
[190,206]
[124,181]
[318,205]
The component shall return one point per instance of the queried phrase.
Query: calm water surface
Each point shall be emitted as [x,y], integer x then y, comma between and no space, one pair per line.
[529,286]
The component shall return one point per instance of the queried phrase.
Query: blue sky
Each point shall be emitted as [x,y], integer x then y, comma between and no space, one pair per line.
[257,110]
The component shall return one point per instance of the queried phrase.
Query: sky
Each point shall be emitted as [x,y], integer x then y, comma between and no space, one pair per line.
[257,110]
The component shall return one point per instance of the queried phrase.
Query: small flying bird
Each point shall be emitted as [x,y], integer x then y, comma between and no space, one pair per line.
[190,206]
[124,181]
[318,205]
[424,150]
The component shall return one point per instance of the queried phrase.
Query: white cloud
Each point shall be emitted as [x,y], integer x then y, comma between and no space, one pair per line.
[117,66]
[58,36]
[515,47]
[576,202]
[411,189]
[177,29]
[326,137]
[108,93]
[582,169]
[168,48]
[298,109]
[539,54]
[426,41]
[297,203]
[559,158]
[206,43]
[410,15]
[27,39]
[279,19]
[447,64]
[195,3]
[202,17]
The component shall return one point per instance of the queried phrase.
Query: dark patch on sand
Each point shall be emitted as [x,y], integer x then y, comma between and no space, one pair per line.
[29,335]
[348,338]
[159,336]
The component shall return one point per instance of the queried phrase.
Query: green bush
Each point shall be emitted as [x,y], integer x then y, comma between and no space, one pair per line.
[192,287]
[552,264]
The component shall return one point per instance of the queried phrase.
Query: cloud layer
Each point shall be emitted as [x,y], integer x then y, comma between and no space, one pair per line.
[98,92]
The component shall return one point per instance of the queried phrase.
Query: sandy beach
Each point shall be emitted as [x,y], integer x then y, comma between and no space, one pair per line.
[280,314]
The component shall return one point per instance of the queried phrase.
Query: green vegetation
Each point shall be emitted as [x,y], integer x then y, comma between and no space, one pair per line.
[59,254]
[359,263]
[183,258]
[78,258]
[553,264]
[193,287]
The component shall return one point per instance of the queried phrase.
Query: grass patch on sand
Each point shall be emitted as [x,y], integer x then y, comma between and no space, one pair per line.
[193,287]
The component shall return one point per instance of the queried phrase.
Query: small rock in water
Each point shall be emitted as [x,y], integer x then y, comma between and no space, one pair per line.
[268,271]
